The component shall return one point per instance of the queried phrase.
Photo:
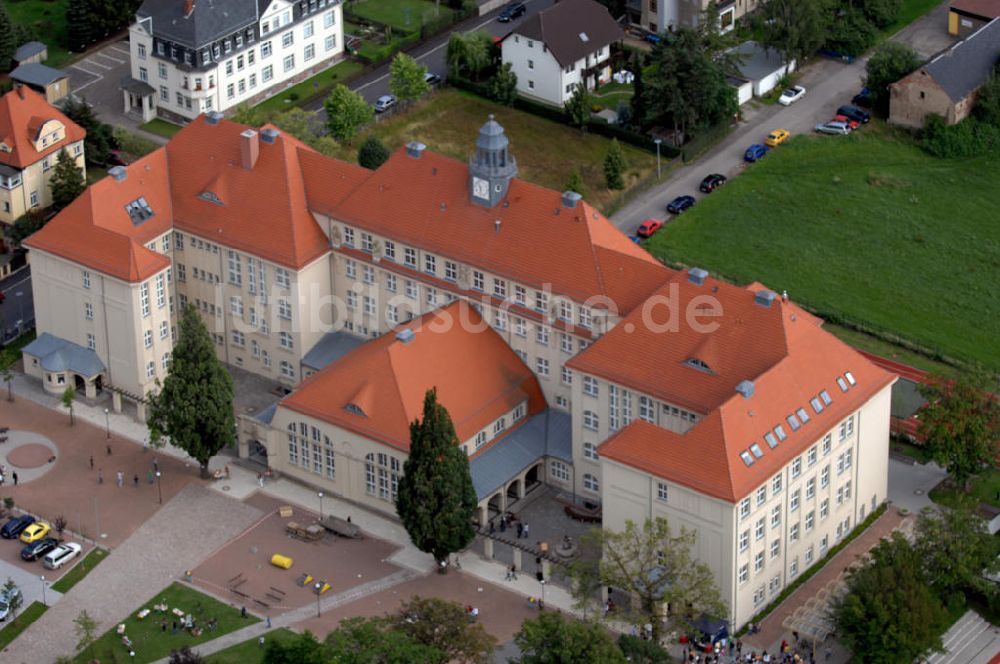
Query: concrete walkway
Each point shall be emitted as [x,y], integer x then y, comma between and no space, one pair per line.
[971,640]
[179,536]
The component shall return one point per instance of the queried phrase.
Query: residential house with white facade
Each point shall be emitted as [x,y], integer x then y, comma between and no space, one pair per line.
[559,47]
[658,16]
[196,56]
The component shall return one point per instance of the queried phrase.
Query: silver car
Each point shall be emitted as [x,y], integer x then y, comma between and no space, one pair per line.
[5,603]
[384,103]
[834,127]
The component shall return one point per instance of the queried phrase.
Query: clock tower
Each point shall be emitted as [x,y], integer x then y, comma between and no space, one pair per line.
[492,167]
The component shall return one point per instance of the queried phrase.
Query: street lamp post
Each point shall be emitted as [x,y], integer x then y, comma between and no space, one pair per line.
[107,422]
[43,591]
[320,494]
[658,141]
[541,605]
[318,587]
[159,491]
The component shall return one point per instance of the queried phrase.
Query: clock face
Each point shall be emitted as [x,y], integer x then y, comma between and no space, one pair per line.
[480,188]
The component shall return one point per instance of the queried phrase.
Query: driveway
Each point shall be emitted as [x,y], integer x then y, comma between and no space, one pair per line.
[910,484]
[96,77]
[829,84]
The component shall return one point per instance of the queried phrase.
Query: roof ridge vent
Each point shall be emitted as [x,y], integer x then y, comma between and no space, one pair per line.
[697,275]
[570,199]
[406,335]
[745,388]
[213,118]
[764,298]
[118,173]
[415,149]
[269,135]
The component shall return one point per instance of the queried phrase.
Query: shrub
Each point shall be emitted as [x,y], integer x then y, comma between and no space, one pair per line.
[968,138]
[372,153]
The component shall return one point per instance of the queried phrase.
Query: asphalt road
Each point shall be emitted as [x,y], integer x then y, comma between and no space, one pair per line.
[18,304]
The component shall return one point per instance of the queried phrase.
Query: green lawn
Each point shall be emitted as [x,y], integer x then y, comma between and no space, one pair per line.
[610,94]
[984,488]
[546,151]
[916,452]
[161,128]
[48,19]
[890,351]
[910,11]
[150,642]
[342,72]
[248,652]
[29,615]
[406,15]
[82,569]
[865,227]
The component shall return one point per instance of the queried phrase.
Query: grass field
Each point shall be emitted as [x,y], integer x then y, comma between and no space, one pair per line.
[161,128]
[449,121]
[12,629]
[321,83]
[866,226]
[894,352]
[48,19]
[248,652]
[82,569]
[910,11]
[150,643]
[405,15]
[984,488]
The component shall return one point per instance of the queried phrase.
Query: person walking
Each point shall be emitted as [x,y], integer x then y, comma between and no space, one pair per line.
[520,529]
[120,477]
[91,461]
[14,477]
[525,531]
[100,476]
[135,480]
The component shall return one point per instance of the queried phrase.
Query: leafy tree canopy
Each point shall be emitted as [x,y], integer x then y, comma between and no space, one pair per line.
[503,85]
[614,166]
[373,153]
[577,107]
[444,626]
[346,113]
[956,548]
[67,181]
[889,62]
[554,639]
[406,78]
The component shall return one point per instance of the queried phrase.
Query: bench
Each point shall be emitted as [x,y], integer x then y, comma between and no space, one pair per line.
[277,590]
[260,603]
[272,596]
[235,578]
[240,593]
[583,514]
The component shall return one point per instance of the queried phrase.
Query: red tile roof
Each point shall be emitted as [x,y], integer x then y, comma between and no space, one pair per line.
[986,9]
[781,349]
[22,114]
[477,375]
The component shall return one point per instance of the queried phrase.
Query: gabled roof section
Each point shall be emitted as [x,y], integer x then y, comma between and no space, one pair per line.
[572,29]
[425,203]
[961,68]
[57,354]
[477,376]
[209,19]
[22,113]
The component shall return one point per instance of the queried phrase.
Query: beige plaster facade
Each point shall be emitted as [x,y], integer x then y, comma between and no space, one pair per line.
[29,188]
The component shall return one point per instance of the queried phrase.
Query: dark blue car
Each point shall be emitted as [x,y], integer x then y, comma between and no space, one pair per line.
[754,152]
[12,529]
[680,204]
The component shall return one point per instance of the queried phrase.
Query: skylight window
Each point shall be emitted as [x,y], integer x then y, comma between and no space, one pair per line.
[584,38]
[771,441]
[779,431]
[850,378]
[139,210]
[757,452]
[842,383]
[803,415]
[825,396]
[747,458]
[817,405]
[793,422]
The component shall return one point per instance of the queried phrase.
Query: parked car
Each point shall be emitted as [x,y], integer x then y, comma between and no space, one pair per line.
[12,529]
[635,238]
[384,103]
[754,152]
[61,555]
[851,124]
[653,38]
[431,78]
[38,548]
[648,227]
[35,531]
[712,182]
[512,11]
[836,128]
[855,113]
[680,204]
[863,99]
[792,95]
[5,598]
[777,137]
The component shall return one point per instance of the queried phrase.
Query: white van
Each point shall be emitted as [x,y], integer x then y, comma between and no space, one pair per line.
[61,555]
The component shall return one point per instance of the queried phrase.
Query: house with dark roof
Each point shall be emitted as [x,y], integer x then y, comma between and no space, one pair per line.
[967,16]
[32,51]
[196,56]
[53,83]
[559,47]
[947,85]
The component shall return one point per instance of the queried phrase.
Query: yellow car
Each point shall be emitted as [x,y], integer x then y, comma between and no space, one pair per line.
[35,531]
[777,137]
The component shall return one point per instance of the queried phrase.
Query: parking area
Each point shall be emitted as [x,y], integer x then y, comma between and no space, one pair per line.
[97,78]
[241,571]
[10,556]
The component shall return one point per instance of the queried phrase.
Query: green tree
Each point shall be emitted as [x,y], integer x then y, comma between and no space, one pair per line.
[553,639]
[614,166]
[8,40]
[194,408]
[246,114]
[306,126]
[67,181]
[373,153]
[638,94]
[444,626]
[956,547]
[370,641]
[86,632]
[988,102]
[794,28]
[851,33]
[961,423]
[346,113]
[185,656]
[503,85]
[301,649]
[641,651]
[889,614]
[80,28]
[15,598]
[890,62]
[657,567]
[469,53]
[881,13]
[406,78]
[575,182]
[100,137]
[68,396]
[577,107]
[25,226]
[436,499]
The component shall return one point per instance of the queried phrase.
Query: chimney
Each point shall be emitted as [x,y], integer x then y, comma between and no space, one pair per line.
[213,117]
[269,135]
[745,388]
[188,7]
[415,149]
[496,225]
[118,173]
[697,276]
[20,90]
[764,298]
[570,199]
[249,148]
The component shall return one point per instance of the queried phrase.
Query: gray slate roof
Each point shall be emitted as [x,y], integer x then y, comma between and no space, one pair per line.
[963,67]
[265,416]
[57,354]
[756,62]
[34,73]
[562,28]
[136,87]
[28,50]
[330,348]
[548,433]
[210,19]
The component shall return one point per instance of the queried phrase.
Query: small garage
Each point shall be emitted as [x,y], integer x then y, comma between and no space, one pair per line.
[762,67]
[743,87]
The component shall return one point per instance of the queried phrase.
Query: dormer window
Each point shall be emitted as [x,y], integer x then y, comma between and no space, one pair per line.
[355,410]
[700,365]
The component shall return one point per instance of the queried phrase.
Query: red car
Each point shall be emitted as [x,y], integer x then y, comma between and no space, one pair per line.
[648,227]
[853,124]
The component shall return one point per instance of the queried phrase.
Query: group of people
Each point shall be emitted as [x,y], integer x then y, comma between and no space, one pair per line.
[731,652]
[3,475]
[507,520]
